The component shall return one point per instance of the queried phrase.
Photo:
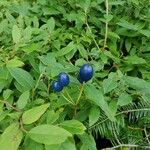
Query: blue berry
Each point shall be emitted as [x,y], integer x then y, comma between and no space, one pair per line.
[57,86]
[63,78]
[86,72]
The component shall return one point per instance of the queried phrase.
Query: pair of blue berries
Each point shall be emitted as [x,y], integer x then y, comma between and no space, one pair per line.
[85,74]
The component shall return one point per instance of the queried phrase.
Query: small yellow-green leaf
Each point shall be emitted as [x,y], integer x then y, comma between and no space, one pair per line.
[16,34]
[73,126]
[11,137]
[14,63]
[34,114]
[23,99]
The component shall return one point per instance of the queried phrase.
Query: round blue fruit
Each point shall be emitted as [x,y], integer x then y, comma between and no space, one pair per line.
[57,86]
[63,78]
[86,72]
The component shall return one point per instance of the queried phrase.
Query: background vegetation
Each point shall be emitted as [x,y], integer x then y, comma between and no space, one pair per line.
[41,38]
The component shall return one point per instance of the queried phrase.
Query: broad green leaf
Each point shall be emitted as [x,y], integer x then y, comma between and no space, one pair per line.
[14,63]
[127,25]
[108,85]
[51,24]
[134,60]
[82,51]
[11,138]
[66,49]
[34,114]
[22,77]
[52,116]
[49,134]
[145,32]
[88,140]
[95,96]
[31,47]
[27,33]
[30,144]
[73,126]
[23,99]
[94,115]
[16,34]
[67,145]
[137,84]
[124,99]
[113,34]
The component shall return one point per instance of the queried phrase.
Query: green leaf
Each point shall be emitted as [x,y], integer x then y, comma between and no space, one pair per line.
[108,17]
[29,144]
[51,24]
[88,140]
[49,134]
[52,116]
[16,34]
[108,85]
[95,96]
[73,126]
[65,50]
[14,63]
[11,137]
[127,25]
[134,60]
[67,145]
[82,51]
[7,93]
[94,115]
[137,84]
[145,32]
[124,99]
[34,114]
[23,99]
[27,33]
[22,77]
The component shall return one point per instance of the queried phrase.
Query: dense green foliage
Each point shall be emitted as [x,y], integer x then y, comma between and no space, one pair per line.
[40,39]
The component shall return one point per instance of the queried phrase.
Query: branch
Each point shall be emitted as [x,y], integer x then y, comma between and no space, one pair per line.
[9,105]
[106,25]
[127,145]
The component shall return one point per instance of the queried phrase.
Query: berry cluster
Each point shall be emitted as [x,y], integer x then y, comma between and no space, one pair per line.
[85,74]
[63,80]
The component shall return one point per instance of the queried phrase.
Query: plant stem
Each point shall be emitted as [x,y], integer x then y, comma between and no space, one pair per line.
[67,99]
[69,96]
[9,105]
[36,85]
[78,99]
[147,138]
[86,22]
[80,94]
[21,126]
[106,25]
[126,145]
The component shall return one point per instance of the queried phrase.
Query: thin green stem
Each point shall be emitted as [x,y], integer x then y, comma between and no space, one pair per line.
[86,22]
[106,26]
[80,94]
[67,99]
[9,105]
[36,85]
[69,96]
